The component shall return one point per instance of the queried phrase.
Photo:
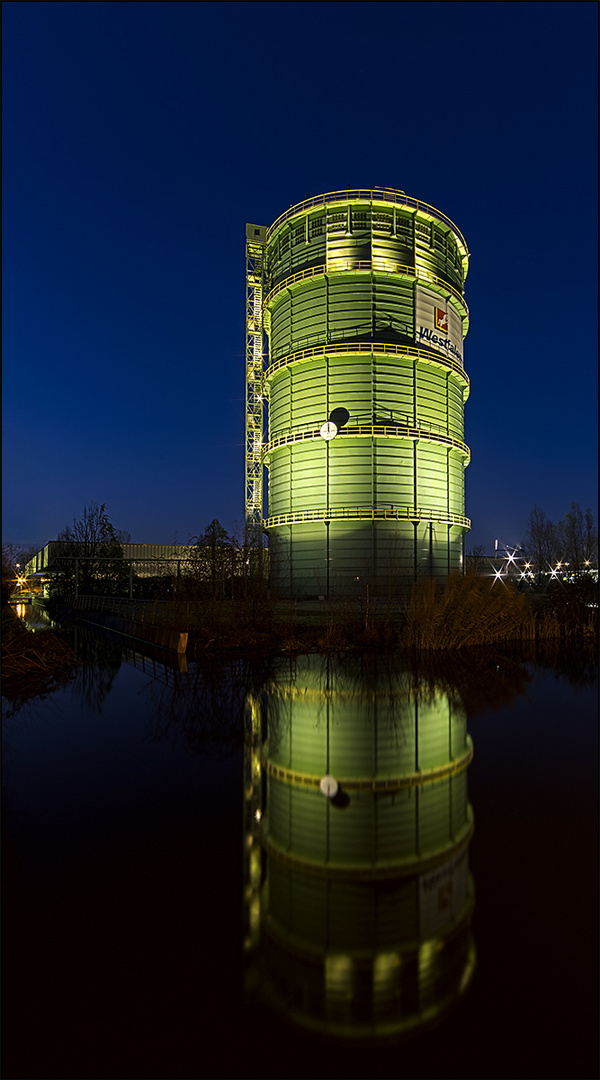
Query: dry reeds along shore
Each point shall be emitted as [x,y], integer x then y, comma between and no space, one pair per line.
[472,611]
[465,612]
[469,611]
[31,663]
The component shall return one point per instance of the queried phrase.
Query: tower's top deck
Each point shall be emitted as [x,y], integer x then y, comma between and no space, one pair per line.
[381,196]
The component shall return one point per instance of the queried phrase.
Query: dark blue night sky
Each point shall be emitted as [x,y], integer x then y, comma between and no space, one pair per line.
[138,140]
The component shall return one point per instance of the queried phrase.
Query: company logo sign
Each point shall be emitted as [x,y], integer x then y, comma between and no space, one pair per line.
[443,892]
[440,328]
[443,343]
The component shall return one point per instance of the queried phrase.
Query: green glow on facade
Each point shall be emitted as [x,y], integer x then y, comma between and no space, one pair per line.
[364,311]
[366,900]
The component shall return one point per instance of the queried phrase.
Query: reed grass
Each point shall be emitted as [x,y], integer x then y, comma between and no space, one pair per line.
[471,611]
[32,664]
[464,612]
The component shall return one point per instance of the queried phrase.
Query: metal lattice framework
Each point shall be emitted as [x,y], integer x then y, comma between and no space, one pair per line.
[255,251]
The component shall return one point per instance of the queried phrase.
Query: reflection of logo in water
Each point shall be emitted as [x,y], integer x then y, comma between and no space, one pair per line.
[441,320]
[445,896]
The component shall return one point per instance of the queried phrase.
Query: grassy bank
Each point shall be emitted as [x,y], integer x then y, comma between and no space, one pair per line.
[466,612]
[32,664]
[469,611]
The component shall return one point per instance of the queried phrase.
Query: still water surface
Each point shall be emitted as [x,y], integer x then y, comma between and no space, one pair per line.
[181,900]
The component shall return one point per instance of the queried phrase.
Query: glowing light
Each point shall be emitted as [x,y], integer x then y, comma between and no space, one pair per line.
[338,975]
[255,868]
[427,957]
[385,971]
[254,915]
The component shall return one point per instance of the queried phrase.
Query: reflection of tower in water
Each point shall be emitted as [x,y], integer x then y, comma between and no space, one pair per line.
[358,923]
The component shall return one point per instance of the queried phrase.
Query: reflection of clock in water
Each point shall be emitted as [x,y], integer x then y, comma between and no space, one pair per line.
[329,430]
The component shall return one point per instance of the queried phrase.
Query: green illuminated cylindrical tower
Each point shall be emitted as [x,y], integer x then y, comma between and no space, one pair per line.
[365,316]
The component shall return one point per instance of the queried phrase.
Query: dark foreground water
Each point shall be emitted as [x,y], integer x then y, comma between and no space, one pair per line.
[147,932]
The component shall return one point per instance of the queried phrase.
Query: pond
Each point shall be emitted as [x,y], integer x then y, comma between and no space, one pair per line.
[336,866]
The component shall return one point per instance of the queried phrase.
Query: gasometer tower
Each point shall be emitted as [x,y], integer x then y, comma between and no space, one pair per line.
[359,294]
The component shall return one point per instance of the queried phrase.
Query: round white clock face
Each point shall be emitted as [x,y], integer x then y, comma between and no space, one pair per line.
[329,430]
[329,786]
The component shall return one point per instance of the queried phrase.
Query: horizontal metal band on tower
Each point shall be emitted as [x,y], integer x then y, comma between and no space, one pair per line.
[321,695]
[365,513]
[352,348]
[385,431]
[388,783]
[379,871]
[303,950]
[372,266]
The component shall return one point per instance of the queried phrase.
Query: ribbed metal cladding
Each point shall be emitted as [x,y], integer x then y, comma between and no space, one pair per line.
[365,313]
[367,897]
[403,762]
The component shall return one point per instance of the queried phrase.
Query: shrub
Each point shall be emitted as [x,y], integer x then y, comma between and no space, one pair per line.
[466,611]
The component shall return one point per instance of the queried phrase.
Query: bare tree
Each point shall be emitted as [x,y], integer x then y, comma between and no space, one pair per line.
[210,562]
[590,538]
[476,559]
[573,540]
[578,538]
[16,556]
[541,541]
[249,562]
[93,542]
